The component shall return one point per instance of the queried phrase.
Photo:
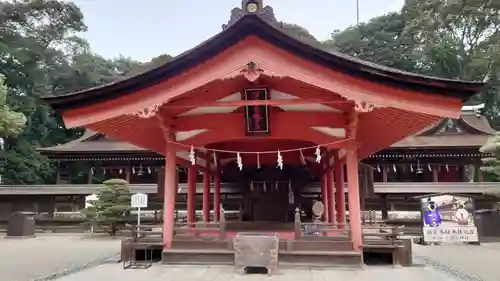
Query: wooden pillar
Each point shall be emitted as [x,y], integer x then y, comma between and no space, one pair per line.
[339,192]
[324,196]
[217,195]
[480,175]
[331,199]
[191,195]
[385,207]
[435,176]
[169,197]
[206,193]
[353,198]
[384,173]
[128,174]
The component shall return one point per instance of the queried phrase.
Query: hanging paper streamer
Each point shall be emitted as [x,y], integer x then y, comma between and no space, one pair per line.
[251,186]
[120,171]
[92,171]
[276,187]
[133,170]
[239,161]
[394,167]
[264,187]
[280,160]
[447,168]
[318,155]
[429,167]
[258,161]
[378,168]
[104,171]
[192,156]
[411,168]
[302,158]
[149,170]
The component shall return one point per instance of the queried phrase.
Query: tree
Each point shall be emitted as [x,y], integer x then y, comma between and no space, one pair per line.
[381,40]
[41,54]
[112,206]
[11,123]
[458,39]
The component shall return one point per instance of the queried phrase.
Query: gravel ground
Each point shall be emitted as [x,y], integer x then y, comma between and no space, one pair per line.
[219,273]
[466,262]
[40,257]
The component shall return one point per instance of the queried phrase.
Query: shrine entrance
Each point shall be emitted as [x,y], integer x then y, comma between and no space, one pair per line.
[269,201]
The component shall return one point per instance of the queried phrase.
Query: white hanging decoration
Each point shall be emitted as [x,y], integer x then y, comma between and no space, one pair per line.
[280,160]
[239,161]
[149,170]
[276,187]
[258,161]
[133,170]
[192,156]
[264,187]
[318,155]
[215,159]
[411,168]
[447,168]
[120,171]
[378,168]
[302,158]
[104,171]
[251,186]
[429,167]
[92,170]
[394,167]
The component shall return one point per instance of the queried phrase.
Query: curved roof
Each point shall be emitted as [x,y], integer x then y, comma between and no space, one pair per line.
[253,25]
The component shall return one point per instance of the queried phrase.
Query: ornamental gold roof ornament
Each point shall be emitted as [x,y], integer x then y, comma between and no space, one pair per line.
[255,7]
[147,112]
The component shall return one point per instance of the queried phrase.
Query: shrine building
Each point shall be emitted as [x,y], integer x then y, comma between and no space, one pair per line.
[253,104]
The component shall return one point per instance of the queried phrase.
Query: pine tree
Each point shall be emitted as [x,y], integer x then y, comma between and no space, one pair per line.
[112,206]
[491,165]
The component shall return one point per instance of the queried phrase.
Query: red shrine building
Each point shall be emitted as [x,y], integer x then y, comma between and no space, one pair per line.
[253,104]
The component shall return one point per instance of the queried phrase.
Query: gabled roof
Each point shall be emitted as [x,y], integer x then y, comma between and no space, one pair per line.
[253,25]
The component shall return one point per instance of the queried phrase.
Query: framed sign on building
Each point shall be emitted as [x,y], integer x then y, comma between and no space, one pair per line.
[448,219]
[256,116]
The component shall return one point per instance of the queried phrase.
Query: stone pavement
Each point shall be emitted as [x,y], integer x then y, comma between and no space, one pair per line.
[219,273]
[477,262]
[32,258]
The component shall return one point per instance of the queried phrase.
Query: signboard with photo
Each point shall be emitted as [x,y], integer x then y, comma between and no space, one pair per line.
[448,218]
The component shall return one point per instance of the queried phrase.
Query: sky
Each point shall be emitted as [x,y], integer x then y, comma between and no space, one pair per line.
[148,28]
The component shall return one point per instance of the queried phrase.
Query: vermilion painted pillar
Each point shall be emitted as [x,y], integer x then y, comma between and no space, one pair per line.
[206,194]
[353,198]
[217,195]
[191,200]
[324,196]
[339,192]
[329,195]
[169,196]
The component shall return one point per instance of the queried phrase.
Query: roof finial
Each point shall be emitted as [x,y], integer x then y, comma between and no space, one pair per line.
[255,7]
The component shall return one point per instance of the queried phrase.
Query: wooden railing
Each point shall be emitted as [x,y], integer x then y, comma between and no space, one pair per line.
[317,228]
[196,229]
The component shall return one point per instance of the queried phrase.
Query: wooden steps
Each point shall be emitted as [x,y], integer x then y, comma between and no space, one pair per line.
[198,256]
[321,258]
